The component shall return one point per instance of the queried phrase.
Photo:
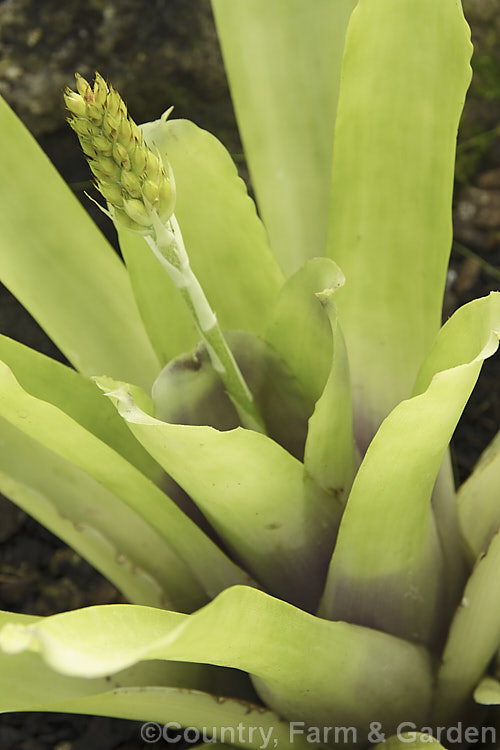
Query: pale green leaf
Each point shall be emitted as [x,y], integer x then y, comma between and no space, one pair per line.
[473,639]
[139,692]
[189,391]
[488,692]
[28,684]
[203,563]
[57,263]
[331,457]
[387,566]
[404,77]
[283,62]
[254,493]
[352,673]
[491,450]
[479,501]
[225,240]
[235,721]
[299,329]
[461,338]
[49,380]
[455,559]
[93,521]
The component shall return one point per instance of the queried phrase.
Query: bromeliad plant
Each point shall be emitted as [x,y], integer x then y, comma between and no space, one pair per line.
[273,493]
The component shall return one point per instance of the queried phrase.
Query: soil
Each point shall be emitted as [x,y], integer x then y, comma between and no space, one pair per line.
[40,575]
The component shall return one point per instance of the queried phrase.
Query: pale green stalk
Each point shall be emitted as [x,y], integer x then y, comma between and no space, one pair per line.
[168,247]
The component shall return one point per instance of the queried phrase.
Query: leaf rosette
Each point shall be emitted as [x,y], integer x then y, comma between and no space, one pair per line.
[269,487]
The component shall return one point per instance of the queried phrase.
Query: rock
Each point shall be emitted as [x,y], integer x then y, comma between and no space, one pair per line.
[479,207]
[489,180]
[161,53]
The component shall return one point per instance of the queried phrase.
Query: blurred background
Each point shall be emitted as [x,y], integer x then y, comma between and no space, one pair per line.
[156,54]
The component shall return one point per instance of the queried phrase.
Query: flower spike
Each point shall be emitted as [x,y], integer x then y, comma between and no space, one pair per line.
[139,188]
[132,179]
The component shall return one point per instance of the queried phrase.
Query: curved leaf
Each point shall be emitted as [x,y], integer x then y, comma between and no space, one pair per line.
[488,692]
[199,560]
[57,263]
[37,687]
[139,692]
[189,391]
[459,341]
[456,566]
[331,456]
[93,521]
[224,238]
[28,684]
[387,569]
[283,62]
[252,491]
[299,329]
[352,673]
[478,500]
[235,721]
[473,639]
[404,77]
[78,397]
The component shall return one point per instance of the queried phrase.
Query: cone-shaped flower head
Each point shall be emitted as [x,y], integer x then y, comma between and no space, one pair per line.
[127,173]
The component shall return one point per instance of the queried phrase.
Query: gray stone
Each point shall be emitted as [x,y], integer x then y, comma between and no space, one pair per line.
[156,54]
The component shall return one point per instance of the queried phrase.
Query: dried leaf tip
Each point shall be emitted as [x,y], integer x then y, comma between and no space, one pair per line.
[138,187]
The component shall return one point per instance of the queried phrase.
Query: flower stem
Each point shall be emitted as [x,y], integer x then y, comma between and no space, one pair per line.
[168,247]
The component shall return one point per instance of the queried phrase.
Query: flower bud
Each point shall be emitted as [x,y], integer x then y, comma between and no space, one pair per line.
[110,125]
[138,160]
[102,145]
[125,133]
[152,164]
[166,199]
[106,168]
[113,102]
[112,193]
[83,87]
[121,156]
[88,149]
[75,103]
[137,211]
[125,220]
[100,92]
[84,128]
[131,183]
[94,114]
[150,191]
[136,133]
